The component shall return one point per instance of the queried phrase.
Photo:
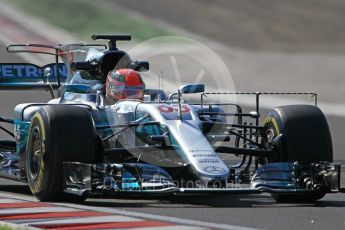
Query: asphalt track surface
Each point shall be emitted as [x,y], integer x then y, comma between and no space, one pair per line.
[258,211]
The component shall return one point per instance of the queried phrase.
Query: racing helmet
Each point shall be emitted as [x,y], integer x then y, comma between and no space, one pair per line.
[122,84]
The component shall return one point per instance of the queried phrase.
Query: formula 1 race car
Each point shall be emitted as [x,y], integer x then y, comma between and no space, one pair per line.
[77,144]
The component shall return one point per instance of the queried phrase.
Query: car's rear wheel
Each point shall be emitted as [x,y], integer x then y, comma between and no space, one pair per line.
[57,133]
[305,137]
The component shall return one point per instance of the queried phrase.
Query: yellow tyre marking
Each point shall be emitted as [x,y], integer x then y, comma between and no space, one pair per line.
[39,179]
[40,119]
[37,153]
[274,123]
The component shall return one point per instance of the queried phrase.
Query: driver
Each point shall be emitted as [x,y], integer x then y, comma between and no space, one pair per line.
[124,84]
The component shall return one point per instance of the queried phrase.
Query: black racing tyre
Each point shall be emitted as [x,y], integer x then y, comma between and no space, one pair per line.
[57,133]
[305,136]
[305,133]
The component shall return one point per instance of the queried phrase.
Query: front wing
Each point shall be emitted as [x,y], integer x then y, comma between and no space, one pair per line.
[108,178]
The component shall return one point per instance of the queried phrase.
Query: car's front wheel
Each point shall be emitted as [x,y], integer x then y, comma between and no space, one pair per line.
[305,137]
[57,133]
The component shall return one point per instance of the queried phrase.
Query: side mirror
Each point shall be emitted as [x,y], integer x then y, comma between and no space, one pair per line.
[192,88]
[187,89]
[78,88]
[141,66]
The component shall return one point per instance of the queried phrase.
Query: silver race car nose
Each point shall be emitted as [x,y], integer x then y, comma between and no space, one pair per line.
[203,159]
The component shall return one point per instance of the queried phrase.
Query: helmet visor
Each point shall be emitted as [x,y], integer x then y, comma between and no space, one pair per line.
[133,93]
[121,91]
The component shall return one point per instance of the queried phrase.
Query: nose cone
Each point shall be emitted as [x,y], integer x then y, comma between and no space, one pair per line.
[204,161]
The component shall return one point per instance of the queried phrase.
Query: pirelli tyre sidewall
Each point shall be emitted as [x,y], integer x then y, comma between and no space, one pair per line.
[57,133]
[37,176]
[305,134]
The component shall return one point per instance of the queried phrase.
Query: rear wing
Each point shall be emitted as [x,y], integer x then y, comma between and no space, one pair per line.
[53,73]
[27,76]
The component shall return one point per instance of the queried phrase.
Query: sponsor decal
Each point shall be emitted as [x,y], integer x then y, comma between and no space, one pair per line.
[205,161]
[169,109]
[30,72]
[214,169]
[204,155]
[165,108]
[184,109]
